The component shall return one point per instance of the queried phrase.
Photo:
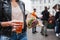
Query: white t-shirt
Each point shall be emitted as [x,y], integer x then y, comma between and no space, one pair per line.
[17,13]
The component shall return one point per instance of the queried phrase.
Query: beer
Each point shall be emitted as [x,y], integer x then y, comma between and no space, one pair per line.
[18,29]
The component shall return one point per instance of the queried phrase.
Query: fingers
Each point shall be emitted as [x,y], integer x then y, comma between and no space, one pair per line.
[14,24]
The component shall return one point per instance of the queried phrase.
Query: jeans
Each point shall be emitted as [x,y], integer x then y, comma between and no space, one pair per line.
[57,28]
[15,36]
[33,29]
[22,36]
[4,37]
[44,28]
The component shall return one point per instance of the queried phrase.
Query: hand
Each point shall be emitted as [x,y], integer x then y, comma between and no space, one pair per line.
[6,24]
[41,16]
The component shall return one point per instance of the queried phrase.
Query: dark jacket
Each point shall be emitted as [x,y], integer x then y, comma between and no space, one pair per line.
[45,15]
[57,16]
[57,20]
[6,16]
[0,14]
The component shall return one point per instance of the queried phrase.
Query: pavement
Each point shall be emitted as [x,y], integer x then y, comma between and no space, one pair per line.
[38,36]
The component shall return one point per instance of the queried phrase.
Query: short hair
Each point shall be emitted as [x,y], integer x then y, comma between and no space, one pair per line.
[45,6]
[34,9]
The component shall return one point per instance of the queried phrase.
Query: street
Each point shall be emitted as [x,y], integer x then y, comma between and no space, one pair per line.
[38,36]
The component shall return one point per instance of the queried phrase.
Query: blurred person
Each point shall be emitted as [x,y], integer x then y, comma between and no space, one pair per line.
[45,17]
[35,16]
[57,20]
[12,10]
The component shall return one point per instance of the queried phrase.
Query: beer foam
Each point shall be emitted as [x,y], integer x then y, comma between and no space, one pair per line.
[16,20]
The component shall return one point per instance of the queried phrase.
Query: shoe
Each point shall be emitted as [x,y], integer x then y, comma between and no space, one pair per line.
[46,35]
[34,32]
[57,34]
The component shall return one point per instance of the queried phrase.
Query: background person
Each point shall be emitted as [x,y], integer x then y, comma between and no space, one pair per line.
[45,18]
[35,16]
[57,20]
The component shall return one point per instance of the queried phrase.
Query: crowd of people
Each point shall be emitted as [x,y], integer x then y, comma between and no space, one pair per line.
[48,21]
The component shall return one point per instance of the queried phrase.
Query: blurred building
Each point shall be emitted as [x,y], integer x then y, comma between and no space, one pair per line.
[40,4]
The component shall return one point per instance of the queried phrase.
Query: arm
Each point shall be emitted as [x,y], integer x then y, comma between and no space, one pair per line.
[56,16]
[35,15]
[3,20]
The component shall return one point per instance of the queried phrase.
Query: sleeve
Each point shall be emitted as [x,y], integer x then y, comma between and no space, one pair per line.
[56,16]
[0,14]
[25,25]
[34,14]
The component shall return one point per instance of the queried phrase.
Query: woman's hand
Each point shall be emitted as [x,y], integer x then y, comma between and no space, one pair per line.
[6,24]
